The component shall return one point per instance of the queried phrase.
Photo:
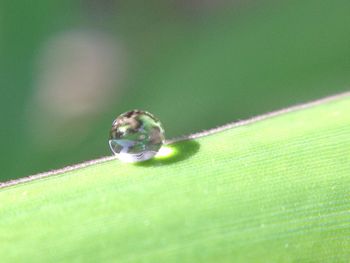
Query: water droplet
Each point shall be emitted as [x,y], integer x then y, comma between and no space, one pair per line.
[136,136]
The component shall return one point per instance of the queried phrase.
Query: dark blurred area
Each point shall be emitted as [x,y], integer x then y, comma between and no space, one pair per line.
[68,68]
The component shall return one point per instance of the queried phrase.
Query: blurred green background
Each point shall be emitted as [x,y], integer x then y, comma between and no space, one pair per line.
[68,68]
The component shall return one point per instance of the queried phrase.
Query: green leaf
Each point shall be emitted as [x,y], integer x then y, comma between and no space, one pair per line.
[275,190]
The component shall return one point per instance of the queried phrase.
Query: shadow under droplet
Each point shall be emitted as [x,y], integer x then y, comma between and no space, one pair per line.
[172,153]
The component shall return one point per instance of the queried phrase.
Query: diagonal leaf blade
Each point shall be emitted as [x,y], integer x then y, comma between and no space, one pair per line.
[275,190]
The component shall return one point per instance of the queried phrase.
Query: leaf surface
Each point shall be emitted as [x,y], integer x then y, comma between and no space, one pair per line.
[275,190]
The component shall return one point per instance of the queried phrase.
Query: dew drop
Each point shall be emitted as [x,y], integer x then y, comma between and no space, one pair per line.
[136,136]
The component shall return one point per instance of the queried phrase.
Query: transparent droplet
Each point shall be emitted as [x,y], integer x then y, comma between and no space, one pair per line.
[136,136]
